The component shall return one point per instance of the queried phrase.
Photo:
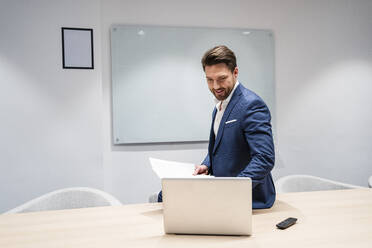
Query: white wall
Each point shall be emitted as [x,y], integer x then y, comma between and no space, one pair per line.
[324,73]
[51,119]
[56,124]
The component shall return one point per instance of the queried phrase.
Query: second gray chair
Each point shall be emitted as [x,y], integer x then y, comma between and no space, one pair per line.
[67,198]
[153,198]
[300,183]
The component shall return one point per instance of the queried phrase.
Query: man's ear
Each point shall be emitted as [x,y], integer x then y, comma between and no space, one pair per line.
[235,72]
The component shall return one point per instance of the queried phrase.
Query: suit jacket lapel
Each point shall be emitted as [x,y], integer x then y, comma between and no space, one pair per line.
[211,135]
[234,99]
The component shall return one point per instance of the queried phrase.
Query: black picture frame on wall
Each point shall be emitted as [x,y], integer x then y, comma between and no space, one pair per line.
[77,48]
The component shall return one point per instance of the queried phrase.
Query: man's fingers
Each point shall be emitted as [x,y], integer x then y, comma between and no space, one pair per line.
[196,171]
[200,169]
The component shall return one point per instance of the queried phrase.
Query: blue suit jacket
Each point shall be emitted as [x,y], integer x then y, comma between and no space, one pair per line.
[244,145]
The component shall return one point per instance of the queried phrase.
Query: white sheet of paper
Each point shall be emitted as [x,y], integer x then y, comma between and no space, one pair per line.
[169,169]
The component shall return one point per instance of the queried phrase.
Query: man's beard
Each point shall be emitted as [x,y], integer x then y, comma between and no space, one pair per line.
[224,96]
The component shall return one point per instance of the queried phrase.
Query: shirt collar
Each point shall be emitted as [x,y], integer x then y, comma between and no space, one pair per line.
[227,100]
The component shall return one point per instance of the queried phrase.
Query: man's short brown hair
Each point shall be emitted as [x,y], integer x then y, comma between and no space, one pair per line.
[217,55]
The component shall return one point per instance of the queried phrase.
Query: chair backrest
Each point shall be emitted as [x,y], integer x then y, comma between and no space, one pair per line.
[370,182]
[300,183]
[153,198]
[68,198]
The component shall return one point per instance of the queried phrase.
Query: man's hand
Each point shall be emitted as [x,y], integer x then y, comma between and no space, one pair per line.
[200,169]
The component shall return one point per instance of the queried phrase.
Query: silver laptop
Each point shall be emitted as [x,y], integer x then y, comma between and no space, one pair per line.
[209,205]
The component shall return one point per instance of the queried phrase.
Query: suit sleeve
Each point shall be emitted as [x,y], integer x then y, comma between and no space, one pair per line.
[257,131]
[206,161]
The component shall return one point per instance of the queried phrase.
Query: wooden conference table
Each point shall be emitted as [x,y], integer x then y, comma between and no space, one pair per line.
[341,218]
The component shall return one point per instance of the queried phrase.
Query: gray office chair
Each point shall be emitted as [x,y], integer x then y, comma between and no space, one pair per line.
[370,182]
[78,197]
[153,198]
[301,183]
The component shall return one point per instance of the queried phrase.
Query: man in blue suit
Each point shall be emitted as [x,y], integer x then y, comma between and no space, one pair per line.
[240,142]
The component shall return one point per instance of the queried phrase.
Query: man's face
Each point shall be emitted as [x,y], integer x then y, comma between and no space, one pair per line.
[220,80]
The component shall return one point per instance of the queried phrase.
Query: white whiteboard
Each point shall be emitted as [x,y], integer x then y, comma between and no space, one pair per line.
[159,91]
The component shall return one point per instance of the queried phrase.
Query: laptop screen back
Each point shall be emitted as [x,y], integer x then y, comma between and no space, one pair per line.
[219,205]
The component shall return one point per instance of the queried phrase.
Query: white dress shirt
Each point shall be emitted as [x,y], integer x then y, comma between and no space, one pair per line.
[221,109]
